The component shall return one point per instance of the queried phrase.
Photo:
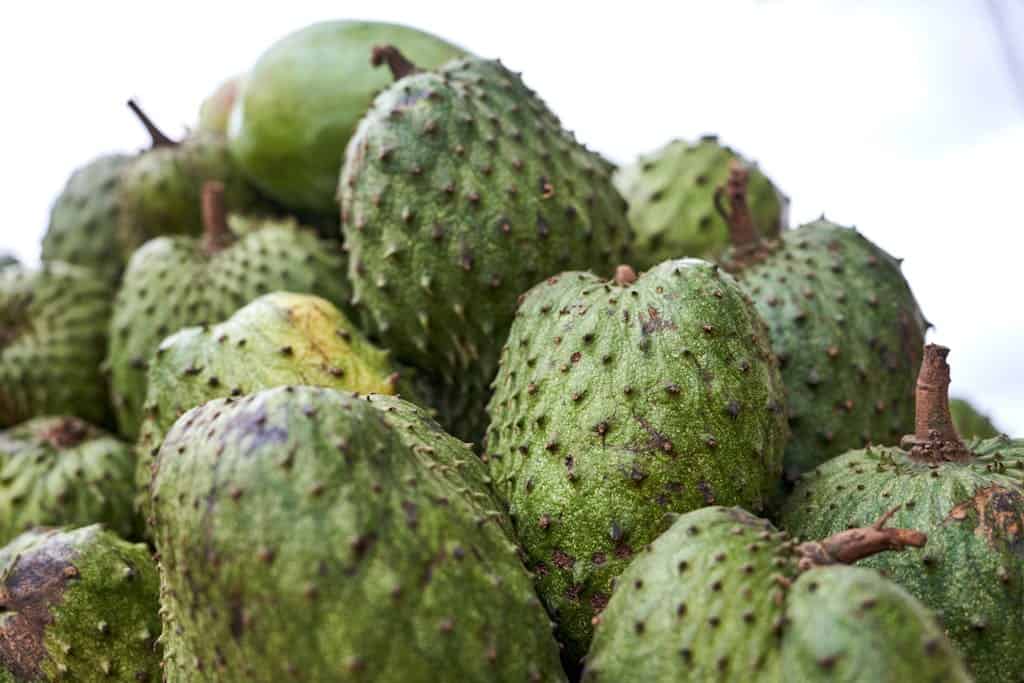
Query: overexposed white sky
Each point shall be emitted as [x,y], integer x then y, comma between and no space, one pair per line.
[900,117]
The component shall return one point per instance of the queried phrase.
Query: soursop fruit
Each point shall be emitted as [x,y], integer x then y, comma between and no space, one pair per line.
[671,196]
[969,422]
[461,190]
[53,334]
[7,260]
[723,596]
[85,218]
[844,325]
[620,402]
[303,98]
[301,537]
[969,499]
[57,471]
[177,282]
[78,605]
[215,111]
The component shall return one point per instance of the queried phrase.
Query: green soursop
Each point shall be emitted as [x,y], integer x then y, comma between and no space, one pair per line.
[78,605]
[461,190]
[301,537]
[620,402]
[176,282]
[303,98]
[722,596]
[671,195]
[969,422]
[85,218]
[844,325]
[53,334]
[215,111]
[57,471]
[968,498]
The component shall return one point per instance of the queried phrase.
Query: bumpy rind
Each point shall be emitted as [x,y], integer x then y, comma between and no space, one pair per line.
[969,422]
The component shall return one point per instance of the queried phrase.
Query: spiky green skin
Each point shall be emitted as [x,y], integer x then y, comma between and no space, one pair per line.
[172,283]
[57,471]
[709,602]
[215,111]
[303,98]
[300,535]
[615,406]
[848,333]
[671,196]
[79,605]
[969,422]
[278,339]
[460,191]
[970,572]
[84,219]
[160,190]
[53,334]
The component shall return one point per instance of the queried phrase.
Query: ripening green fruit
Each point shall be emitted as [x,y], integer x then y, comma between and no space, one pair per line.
[215,111]
[969,422]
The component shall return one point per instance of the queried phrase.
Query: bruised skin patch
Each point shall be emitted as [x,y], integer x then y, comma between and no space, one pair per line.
[1000,516]
[35,583]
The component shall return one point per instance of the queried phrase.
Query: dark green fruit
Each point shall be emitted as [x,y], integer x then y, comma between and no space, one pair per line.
[57,471]
[176,282]
[303,98]
[215,111]
[461,190]
[301,536]
[53,334]
[78,605]
[722,596]
[620,402]
[844,324]
[671,195]
[969,422]
[968,498]
[7,260]
[85,217]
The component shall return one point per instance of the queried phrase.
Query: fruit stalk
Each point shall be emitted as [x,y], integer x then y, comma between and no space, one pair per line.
[846,547]
[158,137]
[934,439]
[742,232]
[396,61]
[216,234]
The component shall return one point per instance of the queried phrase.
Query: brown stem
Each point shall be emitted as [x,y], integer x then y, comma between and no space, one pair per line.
[742,231]
[159,139]
[396,61]
[216,234]
[846,547]
[934,439]
[625,275]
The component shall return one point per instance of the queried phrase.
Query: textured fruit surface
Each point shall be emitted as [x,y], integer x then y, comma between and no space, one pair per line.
[215,111]
[53,334]
[57,471]
[300,536]
[618,405]
[720,597]
[84,219]
[460,191]
[672,206]
[971,572]
[848,334]
[302,101]
[79,605]
[172,283]
[969,422]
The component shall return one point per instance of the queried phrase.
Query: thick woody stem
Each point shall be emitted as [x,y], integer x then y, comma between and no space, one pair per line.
[159,139]
[846,547]
[625,275]
[216,234]
[742,231]
[396,61]
[934,439]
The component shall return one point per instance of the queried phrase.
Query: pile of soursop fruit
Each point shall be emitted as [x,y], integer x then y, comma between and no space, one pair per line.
[381,375]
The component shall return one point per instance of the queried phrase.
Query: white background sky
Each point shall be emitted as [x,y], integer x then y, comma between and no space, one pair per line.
[898,117]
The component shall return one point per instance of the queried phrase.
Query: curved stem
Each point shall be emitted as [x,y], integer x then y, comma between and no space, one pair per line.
[216,234]
[625,275]
[846,547]
[159,139]
[934,439]
[396,61]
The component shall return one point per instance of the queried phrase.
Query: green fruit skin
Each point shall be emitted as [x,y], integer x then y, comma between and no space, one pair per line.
[172,283]
[80,605]
[460,191]
[57,471]
[300,536]
[215,111]
[671,196]
[969,422]
[85,217]
[7,260]
[303,98]
[848,333]
[53,334]
[970,573]
[719,597]
[616,406]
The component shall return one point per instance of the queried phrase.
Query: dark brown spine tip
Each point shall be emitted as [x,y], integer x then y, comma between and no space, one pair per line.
[625,275]
[396,61]
[216,234]
[846,547]
[742,231]
[159,139]
[934,438]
